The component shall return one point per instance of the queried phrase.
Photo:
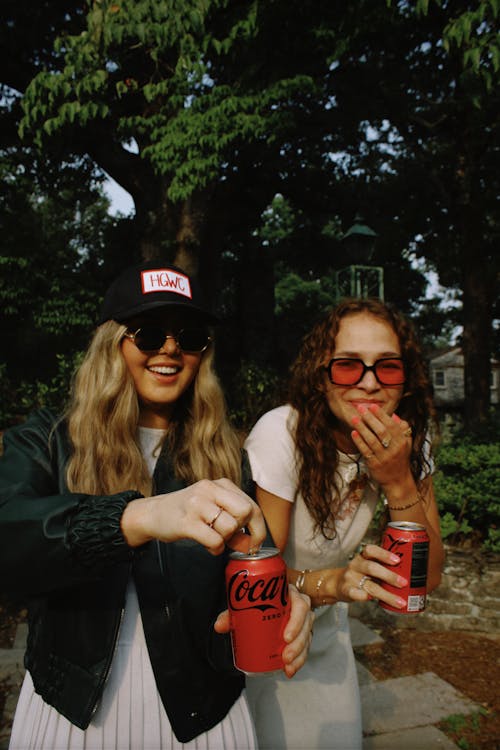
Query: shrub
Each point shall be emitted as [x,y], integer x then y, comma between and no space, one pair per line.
[467,486]
[16,401]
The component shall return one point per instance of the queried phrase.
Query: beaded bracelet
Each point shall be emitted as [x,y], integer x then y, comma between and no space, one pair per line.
[405,507]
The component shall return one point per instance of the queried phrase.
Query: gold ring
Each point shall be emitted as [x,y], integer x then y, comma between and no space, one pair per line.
[407,432]
[362,581]
[386,442]
[214,519]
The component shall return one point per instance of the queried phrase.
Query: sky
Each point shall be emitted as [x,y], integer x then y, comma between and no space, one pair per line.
[121,201]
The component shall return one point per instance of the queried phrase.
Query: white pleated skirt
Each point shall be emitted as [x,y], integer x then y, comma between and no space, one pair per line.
[130,716]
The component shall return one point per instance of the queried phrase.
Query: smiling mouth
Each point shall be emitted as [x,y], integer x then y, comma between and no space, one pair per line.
[164,369]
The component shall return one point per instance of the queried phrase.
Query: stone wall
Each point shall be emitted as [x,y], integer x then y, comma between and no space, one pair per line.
[467,599]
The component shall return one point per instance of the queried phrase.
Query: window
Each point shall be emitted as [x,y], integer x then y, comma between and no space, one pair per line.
[494,379]
[439,378]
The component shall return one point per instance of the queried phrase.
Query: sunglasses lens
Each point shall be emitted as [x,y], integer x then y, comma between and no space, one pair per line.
[346,371]
[390,372]
[193,339]
[350,371]
[149,338]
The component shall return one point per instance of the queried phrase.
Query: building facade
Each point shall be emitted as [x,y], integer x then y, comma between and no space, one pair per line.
[447,376]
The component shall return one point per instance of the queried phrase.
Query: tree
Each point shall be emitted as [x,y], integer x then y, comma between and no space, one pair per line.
[207,110]
[53,247]
[433,148]
[172,81]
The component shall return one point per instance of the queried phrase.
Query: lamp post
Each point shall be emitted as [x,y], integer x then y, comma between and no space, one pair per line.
[359,279]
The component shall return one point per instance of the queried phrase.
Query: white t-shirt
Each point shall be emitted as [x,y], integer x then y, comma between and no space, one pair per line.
[271,452]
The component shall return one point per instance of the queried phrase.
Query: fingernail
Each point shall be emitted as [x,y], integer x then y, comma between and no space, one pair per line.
[355,434]
[396,418]
[401,603]
[373,408]
[361,408]
[402,581]
[395,558]
[355,420]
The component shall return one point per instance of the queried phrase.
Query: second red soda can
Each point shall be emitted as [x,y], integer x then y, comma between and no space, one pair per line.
[410,542]
[259,609]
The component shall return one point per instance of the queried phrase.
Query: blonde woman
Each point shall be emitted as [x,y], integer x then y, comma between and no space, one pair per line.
[116,521]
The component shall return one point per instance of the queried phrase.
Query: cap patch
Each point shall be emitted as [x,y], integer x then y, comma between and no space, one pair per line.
[165,280]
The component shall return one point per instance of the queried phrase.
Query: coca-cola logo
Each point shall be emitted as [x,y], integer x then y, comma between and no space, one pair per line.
[395,545]
[247,592]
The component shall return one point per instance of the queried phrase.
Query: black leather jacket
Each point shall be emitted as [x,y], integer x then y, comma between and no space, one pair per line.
[63,552]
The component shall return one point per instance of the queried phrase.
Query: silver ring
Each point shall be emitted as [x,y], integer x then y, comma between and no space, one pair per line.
[369,456]
[362,582]
[386,442]
[214,519]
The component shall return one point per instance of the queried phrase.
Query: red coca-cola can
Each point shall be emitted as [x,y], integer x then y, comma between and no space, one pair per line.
[257,598]
[410,541]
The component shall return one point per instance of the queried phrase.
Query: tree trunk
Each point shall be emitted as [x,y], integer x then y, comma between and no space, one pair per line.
[257,304]
[477,287]
[476,344]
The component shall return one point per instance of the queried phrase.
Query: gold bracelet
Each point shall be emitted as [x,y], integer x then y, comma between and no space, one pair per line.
[405,507]
[318,585]
[301,579]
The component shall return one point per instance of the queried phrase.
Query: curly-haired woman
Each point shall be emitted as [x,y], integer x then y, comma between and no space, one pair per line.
[114,521]
[357,427]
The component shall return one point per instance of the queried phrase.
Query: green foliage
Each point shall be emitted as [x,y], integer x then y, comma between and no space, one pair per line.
[56,232]
[147,68]
[277,222]
[18,400]
[256,389]
[298,297]
[299,304]
[54,393]
[474,32]
[467,486]
[456,724]
[451,527]
[190,145]
[492,544]
[7,398]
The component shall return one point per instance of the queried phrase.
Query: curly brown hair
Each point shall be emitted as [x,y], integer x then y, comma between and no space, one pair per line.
[316,450]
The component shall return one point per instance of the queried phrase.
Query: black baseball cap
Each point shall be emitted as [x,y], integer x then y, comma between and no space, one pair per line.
[152,285]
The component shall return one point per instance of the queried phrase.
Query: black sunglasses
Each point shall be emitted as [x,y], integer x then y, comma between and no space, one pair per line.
[351,371]
[152,338]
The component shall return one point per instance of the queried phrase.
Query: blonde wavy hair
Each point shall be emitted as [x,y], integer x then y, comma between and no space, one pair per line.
[103,417]
[317,453]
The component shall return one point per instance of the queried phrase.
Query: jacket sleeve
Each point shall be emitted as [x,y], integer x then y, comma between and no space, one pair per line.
[51,538]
